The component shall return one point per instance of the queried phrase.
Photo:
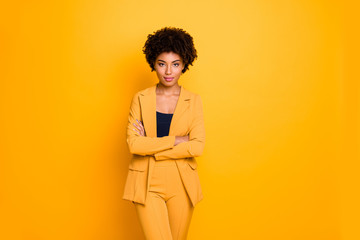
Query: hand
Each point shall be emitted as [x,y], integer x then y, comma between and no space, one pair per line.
[140,129]
[180,139]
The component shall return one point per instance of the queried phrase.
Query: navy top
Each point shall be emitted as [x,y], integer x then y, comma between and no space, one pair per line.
[163,121]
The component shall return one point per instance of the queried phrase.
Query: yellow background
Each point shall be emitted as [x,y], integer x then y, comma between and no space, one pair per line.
[280,90]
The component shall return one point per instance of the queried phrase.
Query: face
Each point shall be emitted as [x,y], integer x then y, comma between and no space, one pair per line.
[168,67]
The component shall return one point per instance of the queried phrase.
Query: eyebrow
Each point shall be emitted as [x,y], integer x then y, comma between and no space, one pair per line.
[172,61]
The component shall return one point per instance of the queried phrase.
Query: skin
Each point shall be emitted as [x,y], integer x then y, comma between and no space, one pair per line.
[168,65]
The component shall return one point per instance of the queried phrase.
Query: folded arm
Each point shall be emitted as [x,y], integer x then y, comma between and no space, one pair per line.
[143,145]
[195,146]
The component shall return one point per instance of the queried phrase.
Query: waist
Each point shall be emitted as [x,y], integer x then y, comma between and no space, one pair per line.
[166,162]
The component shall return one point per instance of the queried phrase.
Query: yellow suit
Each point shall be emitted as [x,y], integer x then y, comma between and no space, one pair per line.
[187,120]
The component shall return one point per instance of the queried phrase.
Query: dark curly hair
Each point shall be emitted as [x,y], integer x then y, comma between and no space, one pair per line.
[170,39]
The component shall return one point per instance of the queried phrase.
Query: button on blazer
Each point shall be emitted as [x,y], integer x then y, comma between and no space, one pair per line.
[187,120]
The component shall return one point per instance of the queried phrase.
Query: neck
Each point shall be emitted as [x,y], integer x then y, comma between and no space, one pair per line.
[175,89]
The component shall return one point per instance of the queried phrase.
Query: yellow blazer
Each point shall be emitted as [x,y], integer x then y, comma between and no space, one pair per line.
[187,119]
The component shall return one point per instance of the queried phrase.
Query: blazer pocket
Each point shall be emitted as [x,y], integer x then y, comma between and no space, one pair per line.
[192,164]
[136,169]
[138,163]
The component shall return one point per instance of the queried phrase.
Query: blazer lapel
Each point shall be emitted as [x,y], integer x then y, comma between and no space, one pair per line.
[148,109]
[181,106]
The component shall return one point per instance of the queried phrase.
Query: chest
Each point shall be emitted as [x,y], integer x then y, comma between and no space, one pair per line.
[166,104]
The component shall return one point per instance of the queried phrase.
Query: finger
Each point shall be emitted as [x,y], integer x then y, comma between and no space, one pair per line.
[140,123]
[141,126]
[136,130]
[136,126]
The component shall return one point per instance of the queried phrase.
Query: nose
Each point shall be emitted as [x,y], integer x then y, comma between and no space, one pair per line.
[168,70]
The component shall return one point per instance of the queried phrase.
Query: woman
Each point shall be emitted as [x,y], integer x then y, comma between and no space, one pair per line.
[165,133]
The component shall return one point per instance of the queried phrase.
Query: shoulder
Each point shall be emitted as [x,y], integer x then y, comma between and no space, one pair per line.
[190,94]
[144,92]
[147,90]
[195,99]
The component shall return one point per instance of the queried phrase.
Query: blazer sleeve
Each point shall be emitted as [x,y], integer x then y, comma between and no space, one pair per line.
[143,145]
[195,146]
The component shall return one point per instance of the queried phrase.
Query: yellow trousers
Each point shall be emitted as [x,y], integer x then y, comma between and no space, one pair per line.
[167,212]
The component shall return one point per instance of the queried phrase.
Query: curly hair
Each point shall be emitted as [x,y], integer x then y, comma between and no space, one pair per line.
[170,39]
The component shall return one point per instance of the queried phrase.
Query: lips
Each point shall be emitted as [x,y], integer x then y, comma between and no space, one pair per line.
[168,79]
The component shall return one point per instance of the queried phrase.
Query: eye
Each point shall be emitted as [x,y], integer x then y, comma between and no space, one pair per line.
[161,64]
[176,64]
